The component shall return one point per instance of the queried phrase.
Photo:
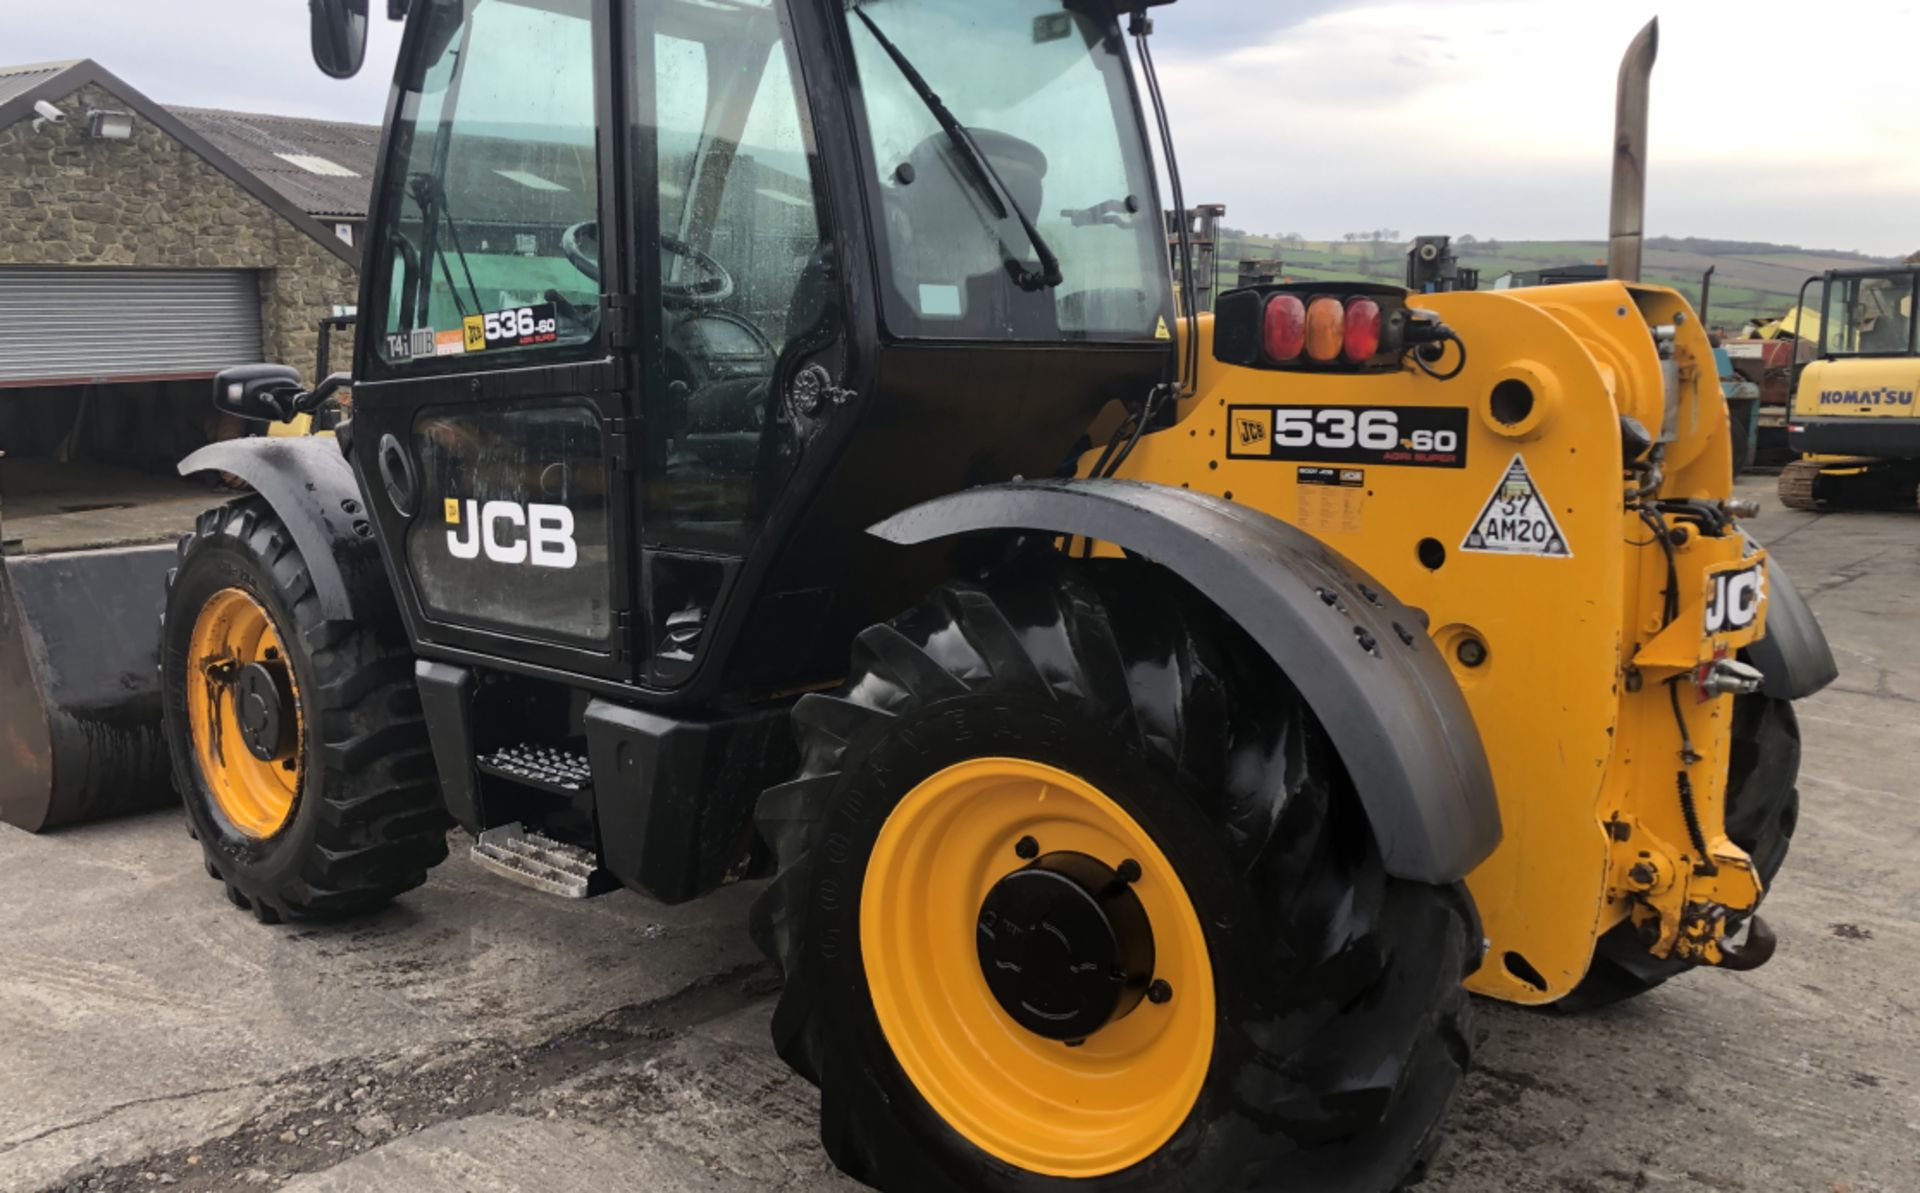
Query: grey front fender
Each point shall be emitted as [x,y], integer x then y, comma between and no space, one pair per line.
[1360,657]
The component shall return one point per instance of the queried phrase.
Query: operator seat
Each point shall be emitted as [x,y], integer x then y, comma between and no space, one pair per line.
[720,440]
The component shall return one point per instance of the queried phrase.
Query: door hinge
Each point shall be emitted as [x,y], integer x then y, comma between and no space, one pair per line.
[620,322]
[623,444]
[625,636]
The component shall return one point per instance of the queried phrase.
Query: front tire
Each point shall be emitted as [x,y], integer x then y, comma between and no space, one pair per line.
[1313,1027]
[298,745]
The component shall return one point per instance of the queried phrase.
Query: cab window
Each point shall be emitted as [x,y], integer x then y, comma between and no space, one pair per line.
[744,267]
[1870,315]
[1046,97]
[492,198]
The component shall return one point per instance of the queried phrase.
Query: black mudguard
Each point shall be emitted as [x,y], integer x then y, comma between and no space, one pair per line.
[311,487]
[1360,657]
[1794,655]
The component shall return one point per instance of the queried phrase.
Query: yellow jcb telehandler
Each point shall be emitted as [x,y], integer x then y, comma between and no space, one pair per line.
[775,448]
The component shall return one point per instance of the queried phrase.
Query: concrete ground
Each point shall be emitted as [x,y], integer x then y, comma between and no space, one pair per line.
[480,1037]
[47,507]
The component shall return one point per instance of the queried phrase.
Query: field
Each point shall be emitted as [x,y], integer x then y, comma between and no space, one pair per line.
[1749,279]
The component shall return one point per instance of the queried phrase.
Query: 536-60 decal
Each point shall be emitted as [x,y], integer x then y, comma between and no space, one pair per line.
[519,327]
[1421,436]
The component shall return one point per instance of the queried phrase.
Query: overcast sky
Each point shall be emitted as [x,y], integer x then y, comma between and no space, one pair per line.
[1773,120]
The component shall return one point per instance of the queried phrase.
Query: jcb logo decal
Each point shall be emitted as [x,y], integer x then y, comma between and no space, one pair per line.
[508,532]
[1734,599]
[1251,429]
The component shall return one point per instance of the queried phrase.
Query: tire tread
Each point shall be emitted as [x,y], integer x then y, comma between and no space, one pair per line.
[376,834]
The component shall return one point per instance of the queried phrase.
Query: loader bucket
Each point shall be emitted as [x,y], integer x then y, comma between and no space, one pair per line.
[80,685]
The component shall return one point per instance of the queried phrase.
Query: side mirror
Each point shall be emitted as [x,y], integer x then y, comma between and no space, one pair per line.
[259,393]
[339,36]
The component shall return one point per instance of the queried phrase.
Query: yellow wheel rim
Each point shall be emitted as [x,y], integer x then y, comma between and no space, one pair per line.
[1049,1108]
[256,796]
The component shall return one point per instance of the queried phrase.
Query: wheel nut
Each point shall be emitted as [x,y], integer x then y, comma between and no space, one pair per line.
[1027,848]
[1160,993]
[1471,652]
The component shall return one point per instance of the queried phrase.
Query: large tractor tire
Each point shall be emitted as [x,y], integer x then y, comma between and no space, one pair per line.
[297,743]
[1763,808]
[1074,894]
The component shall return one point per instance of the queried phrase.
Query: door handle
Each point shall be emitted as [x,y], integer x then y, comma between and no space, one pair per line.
[814,389]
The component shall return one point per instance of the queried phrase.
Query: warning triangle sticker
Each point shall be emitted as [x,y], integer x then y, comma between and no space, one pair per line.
[1517,520]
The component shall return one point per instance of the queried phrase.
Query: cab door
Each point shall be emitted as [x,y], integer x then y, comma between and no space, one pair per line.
[740,354]
[493,415]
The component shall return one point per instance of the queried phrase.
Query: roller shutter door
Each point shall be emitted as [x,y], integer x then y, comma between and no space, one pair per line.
[80,325]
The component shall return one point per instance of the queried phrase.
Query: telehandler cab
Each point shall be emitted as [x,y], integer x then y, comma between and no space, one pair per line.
[1159,841]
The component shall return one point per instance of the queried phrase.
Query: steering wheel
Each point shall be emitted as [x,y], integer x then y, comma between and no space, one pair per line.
[717,287]
[581,244]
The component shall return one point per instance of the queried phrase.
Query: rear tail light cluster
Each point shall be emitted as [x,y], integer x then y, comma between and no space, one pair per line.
[1321,327]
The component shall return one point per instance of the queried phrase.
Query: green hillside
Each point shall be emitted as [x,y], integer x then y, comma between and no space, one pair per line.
[1749,279]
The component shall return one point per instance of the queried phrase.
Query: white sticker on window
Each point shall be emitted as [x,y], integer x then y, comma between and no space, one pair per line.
[940,301]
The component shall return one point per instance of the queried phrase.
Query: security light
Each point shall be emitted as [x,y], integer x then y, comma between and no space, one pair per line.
[106,124]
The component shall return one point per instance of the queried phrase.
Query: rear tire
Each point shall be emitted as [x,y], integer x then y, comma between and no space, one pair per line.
[363,821]
[1339,1027]
[1763,809]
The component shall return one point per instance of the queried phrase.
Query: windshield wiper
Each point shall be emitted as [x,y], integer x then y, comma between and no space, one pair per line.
[431,197]
[985,176]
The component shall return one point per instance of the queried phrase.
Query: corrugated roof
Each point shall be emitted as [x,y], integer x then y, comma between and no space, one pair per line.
[16,80]
[323,166]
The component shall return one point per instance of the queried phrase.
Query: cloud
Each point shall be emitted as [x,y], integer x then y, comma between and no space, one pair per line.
[1495,117]
[1326,116]
[251,56]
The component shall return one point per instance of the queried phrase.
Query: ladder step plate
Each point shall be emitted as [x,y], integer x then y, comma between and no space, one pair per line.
[552,769]
[535,860]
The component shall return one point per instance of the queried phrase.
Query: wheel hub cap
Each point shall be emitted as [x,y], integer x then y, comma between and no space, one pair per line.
[1065,946]
[261,695]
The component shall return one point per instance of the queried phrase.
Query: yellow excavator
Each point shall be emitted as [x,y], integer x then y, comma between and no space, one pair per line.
[1854,417]
[775,450]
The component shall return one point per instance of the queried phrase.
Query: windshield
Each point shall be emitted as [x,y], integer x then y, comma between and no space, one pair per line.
[1871,315]
[1046,97]
[493,192]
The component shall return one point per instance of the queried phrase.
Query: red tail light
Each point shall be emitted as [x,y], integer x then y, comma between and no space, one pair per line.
[1285,330]
[1326,328]
[1363,329]
[1322,327]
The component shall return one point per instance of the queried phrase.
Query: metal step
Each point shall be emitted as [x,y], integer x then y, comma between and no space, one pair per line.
[553,769]
[533,859]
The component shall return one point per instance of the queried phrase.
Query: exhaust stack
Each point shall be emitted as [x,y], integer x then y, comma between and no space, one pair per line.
[1626,223]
